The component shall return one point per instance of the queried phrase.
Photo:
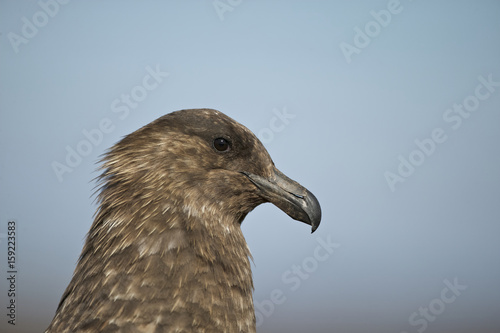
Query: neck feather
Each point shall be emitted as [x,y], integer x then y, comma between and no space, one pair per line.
[178,269]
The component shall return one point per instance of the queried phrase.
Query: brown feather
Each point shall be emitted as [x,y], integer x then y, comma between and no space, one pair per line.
[165,252]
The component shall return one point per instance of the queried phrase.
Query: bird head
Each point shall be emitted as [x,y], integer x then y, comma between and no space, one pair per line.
[208,162]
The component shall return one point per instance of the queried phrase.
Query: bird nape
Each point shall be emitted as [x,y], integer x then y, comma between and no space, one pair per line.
[165,252]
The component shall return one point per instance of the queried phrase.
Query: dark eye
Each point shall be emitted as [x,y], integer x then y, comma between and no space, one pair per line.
[221,144]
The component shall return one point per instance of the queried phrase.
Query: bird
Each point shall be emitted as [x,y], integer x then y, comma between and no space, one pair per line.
[165,252]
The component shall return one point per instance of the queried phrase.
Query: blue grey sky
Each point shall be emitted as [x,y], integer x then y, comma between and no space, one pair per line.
[388,111]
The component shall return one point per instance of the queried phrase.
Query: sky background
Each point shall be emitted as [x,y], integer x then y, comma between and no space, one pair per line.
[389,112]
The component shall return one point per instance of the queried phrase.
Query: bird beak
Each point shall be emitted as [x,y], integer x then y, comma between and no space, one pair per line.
[289,196]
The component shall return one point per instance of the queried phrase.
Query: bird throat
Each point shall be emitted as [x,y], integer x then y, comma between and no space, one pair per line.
[177,264]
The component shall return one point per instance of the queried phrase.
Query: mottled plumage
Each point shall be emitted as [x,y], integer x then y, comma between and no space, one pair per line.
[165,252]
